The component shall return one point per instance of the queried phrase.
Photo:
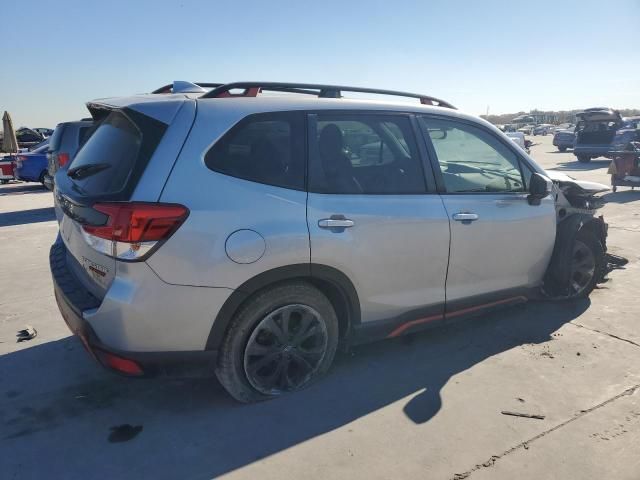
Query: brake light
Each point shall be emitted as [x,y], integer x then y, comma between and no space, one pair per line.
[63,159]
[133,229]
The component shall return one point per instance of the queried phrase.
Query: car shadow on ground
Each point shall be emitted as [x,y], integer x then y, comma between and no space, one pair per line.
[57,409]
[21,188]
[22,217]
[577,166]
[623,195]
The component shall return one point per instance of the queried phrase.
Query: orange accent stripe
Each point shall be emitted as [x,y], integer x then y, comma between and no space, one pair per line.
[486,305]
[405,326]
[410,324]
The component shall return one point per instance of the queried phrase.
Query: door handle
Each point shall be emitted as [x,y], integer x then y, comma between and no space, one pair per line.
[334,222]
[465,217]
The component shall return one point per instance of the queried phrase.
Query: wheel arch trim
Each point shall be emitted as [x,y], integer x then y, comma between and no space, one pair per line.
[316,274]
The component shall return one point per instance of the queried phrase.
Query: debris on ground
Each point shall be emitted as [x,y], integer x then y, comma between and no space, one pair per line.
[26,334]
[124,433]
[525,415]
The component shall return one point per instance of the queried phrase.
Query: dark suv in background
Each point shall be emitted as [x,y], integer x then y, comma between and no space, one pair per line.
[595,131]
[63,145]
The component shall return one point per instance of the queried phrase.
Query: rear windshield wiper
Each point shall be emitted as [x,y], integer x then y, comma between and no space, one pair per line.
[83,171]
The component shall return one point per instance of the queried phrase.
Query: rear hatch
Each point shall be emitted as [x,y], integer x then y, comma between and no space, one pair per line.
[104,173]
[597,126]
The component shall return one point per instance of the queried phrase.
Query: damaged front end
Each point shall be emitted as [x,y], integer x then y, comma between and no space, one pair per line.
[579,260]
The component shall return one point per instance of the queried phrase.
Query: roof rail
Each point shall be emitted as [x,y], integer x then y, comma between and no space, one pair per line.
[169,88]
[251,89]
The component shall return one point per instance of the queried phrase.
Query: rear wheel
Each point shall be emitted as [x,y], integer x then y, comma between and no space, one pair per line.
[280,341]
[41,177]
[562,149]
[584,158]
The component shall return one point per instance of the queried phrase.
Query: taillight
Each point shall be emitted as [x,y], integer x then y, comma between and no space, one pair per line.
[133,229]
[63,159]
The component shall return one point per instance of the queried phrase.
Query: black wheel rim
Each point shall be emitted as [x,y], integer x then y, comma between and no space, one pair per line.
[285,349]
[583,267]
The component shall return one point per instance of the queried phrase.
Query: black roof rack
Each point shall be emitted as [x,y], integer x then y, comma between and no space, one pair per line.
[251,89]
[169,87]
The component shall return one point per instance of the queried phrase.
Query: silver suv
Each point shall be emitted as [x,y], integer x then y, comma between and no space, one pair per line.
[252,229]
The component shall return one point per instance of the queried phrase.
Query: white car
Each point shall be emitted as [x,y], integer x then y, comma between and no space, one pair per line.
[518,138]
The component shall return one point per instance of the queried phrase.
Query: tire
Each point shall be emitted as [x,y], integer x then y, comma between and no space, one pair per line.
[260,326]
[41,177]
[584,158]
[562,149]
[580,266]
[4,182]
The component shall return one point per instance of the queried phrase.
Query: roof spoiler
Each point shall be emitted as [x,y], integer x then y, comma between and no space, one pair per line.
[251,89]
[181,86]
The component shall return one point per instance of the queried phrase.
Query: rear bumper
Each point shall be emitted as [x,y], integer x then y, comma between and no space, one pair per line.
[48,181]
[74,301]
[592,150]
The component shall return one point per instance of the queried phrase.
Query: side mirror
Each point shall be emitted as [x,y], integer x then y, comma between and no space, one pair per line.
[539,187]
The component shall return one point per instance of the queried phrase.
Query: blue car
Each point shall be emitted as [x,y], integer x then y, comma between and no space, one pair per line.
[32,166]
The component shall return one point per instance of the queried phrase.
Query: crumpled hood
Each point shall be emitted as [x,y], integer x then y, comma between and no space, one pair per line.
[565,180]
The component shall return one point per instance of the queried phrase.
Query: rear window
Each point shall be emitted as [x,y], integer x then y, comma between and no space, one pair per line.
[83,134]
[54,141]
[118,150]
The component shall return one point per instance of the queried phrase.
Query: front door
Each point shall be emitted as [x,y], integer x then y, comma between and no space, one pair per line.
[370,216]
[500,244]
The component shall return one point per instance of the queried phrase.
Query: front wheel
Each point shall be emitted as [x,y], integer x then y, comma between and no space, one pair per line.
[562,149]
[584,158]
[280,341]
[579,267]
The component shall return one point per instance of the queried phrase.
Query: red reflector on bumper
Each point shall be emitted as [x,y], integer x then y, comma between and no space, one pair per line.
[122,365]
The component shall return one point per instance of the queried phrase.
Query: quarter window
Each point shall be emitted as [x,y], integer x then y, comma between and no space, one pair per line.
[364,154]
[265,148]
[472,160]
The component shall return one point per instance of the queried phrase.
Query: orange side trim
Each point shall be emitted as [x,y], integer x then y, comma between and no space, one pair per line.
[457,313]
[405,326]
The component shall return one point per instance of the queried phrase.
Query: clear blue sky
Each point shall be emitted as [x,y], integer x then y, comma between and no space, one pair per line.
[502,54]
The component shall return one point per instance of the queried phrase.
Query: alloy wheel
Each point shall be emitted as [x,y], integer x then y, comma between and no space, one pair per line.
[285,349]
[583,267]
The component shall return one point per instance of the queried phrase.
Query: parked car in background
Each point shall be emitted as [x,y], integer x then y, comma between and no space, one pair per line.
[63,146]
[32,166]
[251,234]
[542,129]
[595,131]
[563,139]
[629,132]
[527,129]
[518,139]
[6,169]
[28,137]
[45,132]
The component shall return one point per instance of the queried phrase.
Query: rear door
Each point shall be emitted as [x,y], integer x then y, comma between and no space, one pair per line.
[500,244]
[371,216]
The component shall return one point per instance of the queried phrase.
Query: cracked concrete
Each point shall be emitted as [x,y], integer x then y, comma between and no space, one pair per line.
[427,406]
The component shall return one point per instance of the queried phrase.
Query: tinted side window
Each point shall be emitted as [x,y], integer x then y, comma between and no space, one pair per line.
[472,160]
[364,154]
[265,148]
